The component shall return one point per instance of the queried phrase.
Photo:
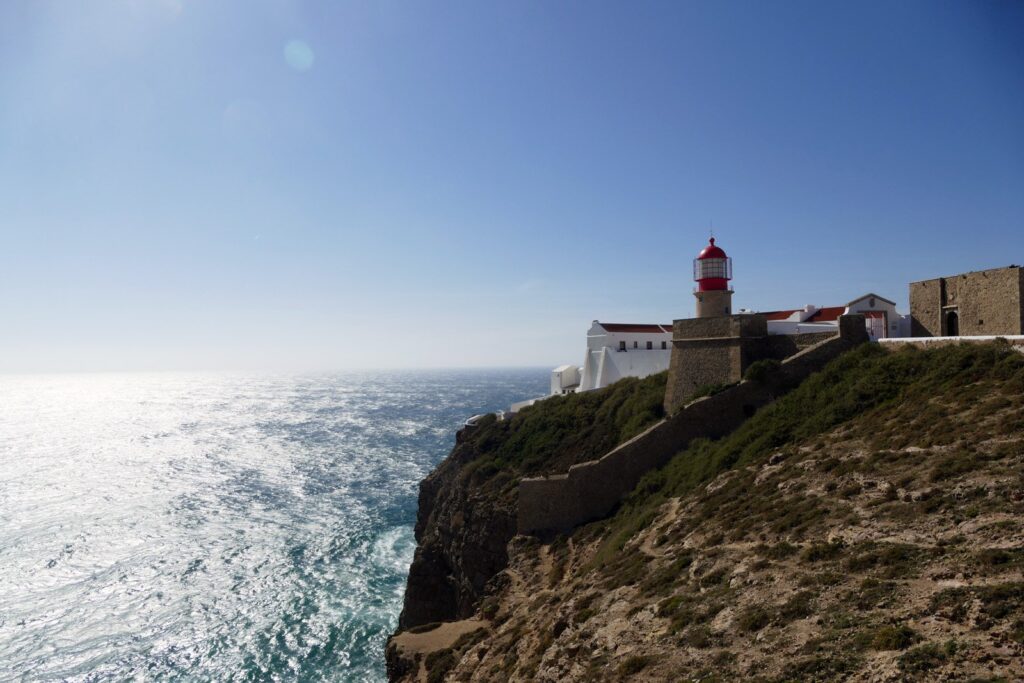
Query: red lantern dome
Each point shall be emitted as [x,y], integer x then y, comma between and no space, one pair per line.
[712,269]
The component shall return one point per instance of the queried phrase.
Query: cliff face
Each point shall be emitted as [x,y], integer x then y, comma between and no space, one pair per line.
[462,530]
[867,527]
[467,505]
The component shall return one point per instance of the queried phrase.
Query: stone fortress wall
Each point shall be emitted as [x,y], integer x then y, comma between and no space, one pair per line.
[986,302]
[711,351]
[592,489]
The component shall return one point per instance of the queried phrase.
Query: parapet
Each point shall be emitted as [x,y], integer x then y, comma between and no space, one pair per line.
[719,328]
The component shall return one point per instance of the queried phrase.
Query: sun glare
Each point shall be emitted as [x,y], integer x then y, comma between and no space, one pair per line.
[298,55]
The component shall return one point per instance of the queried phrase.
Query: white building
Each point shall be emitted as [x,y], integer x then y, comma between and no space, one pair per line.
[881,318]
[617,350]
[565,379]
[614,351]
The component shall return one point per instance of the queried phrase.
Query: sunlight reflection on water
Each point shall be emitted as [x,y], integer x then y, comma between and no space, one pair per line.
[220,527]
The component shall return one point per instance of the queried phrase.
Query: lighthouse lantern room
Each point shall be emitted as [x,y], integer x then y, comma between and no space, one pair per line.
[712,270]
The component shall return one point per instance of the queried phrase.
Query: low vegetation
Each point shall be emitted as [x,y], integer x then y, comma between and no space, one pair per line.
[561,431]
[935,398]
[865,526]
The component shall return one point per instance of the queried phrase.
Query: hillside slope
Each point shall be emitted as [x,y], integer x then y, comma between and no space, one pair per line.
[868,526]
[467,505]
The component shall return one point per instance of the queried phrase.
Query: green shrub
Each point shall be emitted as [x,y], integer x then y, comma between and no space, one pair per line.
[489,608]
[779,551]
[893,638]
[993,560]
[890,560]
[1017,631]
[626,569]
[1001,600]
[438,665]
[669,606]
[560,431]
[954,465]
[468,640]
[668,576]
[714,539]
[873,594]
[699,637]
[761,371]
[753,619]
[821,668]
[850,490]
[799,606]
[634,664]
[926,657]
[714,578]
[819,552]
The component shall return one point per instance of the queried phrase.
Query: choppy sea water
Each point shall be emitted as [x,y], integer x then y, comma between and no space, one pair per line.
[217,527]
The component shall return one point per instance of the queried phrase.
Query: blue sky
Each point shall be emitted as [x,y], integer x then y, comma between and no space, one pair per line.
[323,185]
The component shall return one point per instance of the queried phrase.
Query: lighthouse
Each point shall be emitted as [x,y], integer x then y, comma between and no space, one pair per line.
[712,270]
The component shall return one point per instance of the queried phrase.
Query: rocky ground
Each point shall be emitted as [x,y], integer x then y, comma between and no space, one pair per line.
[887,547]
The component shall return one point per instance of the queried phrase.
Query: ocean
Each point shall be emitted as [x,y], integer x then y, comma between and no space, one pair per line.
[217,527]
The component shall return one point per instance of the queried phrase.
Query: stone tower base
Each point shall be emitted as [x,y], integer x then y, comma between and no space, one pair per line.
[709,352]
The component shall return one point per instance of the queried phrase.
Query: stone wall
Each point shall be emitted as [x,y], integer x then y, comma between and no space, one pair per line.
[715,351]
[926,308]
[711,351]
[782,346]
[987,302]
[592,489]
[703,363]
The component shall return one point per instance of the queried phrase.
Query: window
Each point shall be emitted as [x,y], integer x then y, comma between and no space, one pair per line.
[622,346]
[664,345]
[636,345]
[650,345]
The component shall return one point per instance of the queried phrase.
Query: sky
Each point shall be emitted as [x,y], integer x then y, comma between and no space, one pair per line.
[307,186]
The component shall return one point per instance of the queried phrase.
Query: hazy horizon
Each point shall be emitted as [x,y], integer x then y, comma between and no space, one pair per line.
[311,186]
[294,372]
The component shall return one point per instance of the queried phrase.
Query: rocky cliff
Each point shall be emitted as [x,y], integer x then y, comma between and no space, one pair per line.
[462,529]
[467,505]
[868,526]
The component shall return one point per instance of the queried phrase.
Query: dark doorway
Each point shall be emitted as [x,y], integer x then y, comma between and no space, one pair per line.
[952,324]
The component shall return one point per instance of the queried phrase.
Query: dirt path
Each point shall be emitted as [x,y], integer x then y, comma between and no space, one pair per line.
[413,645]
[440,638]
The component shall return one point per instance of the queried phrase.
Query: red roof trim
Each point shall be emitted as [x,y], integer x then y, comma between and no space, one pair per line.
[779,315]
[826,315]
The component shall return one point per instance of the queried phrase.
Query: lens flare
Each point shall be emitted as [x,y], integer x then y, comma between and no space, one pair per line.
[298,55]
